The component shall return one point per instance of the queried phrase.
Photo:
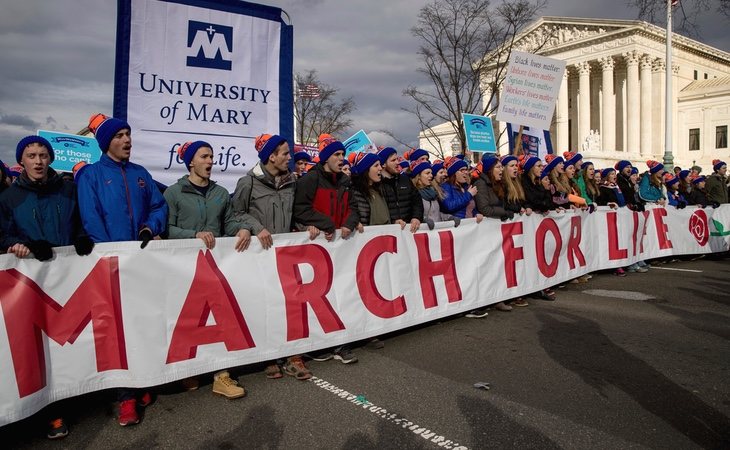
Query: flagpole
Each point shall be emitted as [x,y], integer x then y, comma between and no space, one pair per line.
[668,157]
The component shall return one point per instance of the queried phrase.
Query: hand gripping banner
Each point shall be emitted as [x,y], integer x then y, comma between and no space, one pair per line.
[125,317]
[218,71]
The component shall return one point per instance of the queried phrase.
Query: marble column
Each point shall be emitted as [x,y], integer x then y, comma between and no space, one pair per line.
[658,69]
[608,106]
[633,109]
[562,116]
[584,101]
[645,101]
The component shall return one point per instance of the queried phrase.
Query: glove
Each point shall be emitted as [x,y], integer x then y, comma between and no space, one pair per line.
[509,216]
[145,236]
[640,207]
[681,204]
[430,224]
[42,250]
[83,245]
[457,221]
[715,204]
[591,208]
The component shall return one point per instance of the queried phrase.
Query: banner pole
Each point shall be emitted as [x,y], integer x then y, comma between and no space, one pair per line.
[517,151]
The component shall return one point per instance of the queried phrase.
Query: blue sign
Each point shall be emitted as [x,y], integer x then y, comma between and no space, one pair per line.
[358,142]
[212,45]
[479,133]
[71,149]
[535,142]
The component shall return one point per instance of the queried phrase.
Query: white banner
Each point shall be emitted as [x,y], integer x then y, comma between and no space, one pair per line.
[125,317]
[218,71]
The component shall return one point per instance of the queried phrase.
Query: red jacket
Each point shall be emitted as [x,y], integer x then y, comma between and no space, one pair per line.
[324,200]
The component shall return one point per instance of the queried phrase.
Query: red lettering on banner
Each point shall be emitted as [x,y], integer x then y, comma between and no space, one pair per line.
[298,295]
[428,268]
[511,253]
[614,251]
[209,293]
[365,276]
[574,251]
[635,234]
[28,311]
[661,228]
[547,225]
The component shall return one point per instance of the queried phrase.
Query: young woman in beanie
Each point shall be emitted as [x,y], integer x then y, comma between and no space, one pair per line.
[458,195]
[555,170]
[366,178]
[589,188]
[431,193]
[674,197]
[698,195]
[539,198]
[610,193]
[651,187]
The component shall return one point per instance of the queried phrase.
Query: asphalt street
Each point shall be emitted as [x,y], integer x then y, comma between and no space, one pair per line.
[645,367]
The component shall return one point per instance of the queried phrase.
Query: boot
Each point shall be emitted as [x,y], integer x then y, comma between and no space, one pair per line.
[224,385]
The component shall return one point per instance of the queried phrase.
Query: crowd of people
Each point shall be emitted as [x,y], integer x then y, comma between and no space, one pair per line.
[115,199]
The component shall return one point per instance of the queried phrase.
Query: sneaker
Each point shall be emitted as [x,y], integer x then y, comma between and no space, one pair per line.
[477,313]
[295,367]
[128,412]
[520,302]
[642,269]
[320,356]
[376,343]
[633,268]
[344,355]
[145,400]
[501,306]
[57,429]
[224,385]
[620,272]
[583,279]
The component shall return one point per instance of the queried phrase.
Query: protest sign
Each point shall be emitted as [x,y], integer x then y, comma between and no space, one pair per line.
[359,142]
[530,90]
[479,133]
[70,149]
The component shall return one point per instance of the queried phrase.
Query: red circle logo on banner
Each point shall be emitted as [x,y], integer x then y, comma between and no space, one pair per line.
[699,227]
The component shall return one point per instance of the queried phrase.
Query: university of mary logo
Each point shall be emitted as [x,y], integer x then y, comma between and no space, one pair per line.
[209,45]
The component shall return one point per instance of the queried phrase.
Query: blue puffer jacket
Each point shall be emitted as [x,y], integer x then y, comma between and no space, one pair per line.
[648,192]
[118,199]
[455,201]
[33,212]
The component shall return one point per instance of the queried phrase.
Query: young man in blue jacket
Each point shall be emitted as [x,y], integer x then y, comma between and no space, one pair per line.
[39,212]
[119,201]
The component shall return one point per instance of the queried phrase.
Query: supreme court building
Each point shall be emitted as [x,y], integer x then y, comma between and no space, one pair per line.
[611,103]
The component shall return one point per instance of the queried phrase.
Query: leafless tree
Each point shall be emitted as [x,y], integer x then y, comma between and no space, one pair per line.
[317,108]
[684,16]
[460,41]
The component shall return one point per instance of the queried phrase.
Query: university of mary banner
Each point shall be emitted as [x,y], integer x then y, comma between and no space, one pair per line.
[125,317]
[218,71]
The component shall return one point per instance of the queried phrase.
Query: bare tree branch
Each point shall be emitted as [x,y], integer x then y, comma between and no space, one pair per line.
[685,14]
[317,109]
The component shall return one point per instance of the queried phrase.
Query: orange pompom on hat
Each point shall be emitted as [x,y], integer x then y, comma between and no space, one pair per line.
[717,164]
[266,144]
[654,166]
[670,179]
[328,146]
[571,158]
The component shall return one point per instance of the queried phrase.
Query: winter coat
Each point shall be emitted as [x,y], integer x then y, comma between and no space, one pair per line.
[33,212]
[583,191]
[674,198]
[325,200]
[260,202]
[648,192]
[190,212]
[716,188]
[610,194]
[431,206]
[118,199]
[455,201]
[536,196]
[402,197]
[488,203]
[697,197]
[629,191]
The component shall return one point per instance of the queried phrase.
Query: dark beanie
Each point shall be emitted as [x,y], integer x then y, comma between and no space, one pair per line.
[105,132]
[188,150]
[26,141]
[266,144]
[328,146]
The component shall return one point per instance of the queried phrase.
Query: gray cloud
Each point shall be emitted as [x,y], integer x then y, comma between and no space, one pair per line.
[57,58]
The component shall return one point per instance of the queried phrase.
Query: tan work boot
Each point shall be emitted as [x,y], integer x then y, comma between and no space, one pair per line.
[224,385]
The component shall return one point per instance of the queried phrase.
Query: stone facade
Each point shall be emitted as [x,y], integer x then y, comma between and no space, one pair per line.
[611,104]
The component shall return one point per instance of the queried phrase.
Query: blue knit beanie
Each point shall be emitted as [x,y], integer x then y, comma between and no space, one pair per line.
[606,171]
[385,153]
[363,162]
[106,131]
[530,163]
[488,161]
[26,141]
[188,150]
[417,168]
[621,165]
[266,144]
[417,153]
[298,156]
[507,159]
[456,165]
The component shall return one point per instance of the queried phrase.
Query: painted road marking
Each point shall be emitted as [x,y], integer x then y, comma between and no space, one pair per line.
[628,295]
[678,270]
[361,401]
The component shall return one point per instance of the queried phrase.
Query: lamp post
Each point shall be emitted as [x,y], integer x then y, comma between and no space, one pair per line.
[668,157]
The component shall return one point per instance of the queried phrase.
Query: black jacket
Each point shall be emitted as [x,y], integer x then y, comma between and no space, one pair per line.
[404,201]
[537,197]
[697,197]
[631,196]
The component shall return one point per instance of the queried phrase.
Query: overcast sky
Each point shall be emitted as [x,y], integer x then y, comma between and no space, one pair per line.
[57,58]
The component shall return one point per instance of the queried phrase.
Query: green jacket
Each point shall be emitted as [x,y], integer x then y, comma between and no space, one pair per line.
[716,188]
[191,213]
[583,190]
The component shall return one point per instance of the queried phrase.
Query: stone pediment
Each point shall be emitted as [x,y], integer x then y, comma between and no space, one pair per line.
[547,36]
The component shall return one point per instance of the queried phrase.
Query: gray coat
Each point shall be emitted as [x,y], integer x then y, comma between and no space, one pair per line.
[263,203]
